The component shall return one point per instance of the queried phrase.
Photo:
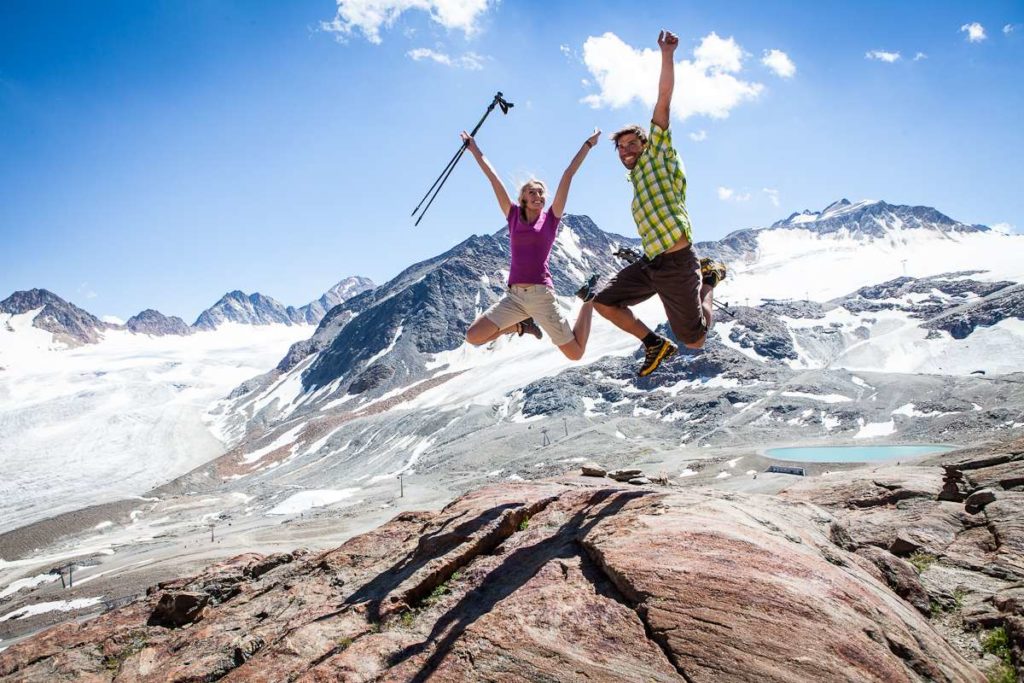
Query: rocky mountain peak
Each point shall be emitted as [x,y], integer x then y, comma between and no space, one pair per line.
[348,288]
[874,218]
[156,323]
[29,300]
[314,311]
[69,323]
[250,309]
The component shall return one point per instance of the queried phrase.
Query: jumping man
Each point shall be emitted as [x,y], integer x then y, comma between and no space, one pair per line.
[669,267]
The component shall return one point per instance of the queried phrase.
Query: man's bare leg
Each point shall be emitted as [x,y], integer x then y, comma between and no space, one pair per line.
[707,305]
[623,318]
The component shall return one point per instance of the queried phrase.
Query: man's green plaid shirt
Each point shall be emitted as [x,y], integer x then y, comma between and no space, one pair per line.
[659,198]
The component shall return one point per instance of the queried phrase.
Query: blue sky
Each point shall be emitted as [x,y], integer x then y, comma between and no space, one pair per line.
[159,154]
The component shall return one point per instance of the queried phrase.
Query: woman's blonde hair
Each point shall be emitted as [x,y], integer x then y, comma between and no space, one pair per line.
[522,194]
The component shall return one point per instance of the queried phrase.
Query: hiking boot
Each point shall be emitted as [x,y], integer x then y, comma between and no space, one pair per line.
[588,291]
[711,272]
[528,327]
[655,354]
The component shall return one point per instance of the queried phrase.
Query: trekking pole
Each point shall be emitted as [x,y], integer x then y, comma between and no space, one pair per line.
[723,307]
[499,101]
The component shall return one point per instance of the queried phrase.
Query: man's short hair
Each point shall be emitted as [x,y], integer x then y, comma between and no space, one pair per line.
[636,130]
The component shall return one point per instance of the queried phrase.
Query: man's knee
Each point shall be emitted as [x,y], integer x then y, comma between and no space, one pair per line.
[605,310]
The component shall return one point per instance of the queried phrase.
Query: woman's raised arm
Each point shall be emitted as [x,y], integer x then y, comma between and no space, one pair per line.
[504,201]
[562,193]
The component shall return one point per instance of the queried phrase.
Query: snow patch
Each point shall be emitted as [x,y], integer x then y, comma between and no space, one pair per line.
[873,430]
[30,582]
[307,500]
[56,606]
[824,398]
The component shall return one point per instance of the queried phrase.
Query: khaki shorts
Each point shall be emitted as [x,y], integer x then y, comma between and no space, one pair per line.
[531,301]
[675,278]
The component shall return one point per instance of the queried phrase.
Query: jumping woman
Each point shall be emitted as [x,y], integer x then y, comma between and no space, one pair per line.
[530,300]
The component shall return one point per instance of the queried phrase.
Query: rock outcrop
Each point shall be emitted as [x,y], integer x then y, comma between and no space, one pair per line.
[530,582]
[955,518]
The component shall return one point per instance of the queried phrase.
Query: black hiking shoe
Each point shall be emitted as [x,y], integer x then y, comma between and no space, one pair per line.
[588,291]
[528,327]
[711,272]
[655,354]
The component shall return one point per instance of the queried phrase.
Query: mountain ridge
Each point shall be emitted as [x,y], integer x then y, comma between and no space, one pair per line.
[75,326]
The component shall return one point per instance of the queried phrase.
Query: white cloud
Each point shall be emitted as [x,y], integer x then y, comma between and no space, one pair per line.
[883,56]
[727,194]
[773,195]
[470,61]
[1008,29]
[779,62]
[112,319]
[919,56]
[699,136]
[704,86]
[975,32]
[1004,228]
[370,16]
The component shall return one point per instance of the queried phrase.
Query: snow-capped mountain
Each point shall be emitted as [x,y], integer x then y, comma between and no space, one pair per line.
[68,323]
[156,323]
[258,309]
[874,218]
[843,222]
[247,309]
[314,311]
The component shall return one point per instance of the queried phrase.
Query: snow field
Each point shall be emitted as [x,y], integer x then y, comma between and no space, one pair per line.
[106,421]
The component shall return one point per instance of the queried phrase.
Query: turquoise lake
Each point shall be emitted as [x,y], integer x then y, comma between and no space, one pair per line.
[854,453]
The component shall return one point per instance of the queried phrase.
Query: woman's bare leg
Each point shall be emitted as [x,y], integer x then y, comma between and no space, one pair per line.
[581,332]
[483,331]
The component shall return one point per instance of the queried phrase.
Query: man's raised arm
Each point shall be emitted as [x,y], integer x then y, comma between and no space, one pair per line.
[668,42]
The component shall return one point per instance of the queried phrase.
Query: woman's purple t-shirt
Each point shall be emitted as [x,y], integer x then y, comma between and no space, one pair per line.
[531,247]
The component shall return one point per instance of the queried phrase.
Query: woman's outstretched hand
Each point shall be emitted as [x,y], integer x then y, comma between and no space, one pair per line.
[592,140]
[470,142]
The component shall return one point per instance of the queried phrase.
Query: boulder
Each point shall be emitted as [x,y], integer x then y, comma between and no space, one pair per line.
[592,469]
[624,475]
[1008,475]
[977,501]
[177,608]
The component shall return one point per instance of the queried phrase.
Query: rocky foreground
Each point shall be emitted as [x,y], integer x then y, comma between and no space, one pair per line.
[885,574]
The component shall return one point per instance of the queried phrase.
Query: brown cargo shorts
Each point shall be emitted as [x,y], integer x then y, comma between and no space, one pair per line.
[675,278]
